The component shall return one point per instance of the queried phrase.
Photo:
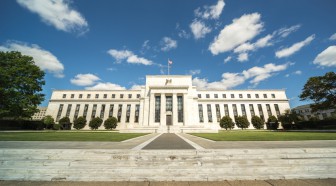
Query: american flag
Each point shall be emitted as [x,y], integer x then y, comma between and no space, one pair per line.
[170,62]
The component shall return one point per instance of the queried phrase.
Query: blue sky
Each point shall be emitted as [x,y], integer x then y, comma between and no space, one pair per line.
[223,44]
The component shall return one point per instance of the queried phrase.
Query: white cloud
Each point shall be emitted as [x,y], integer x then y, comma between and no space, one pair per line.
[199,29]
[230,80]
[127,55]
[43,58]
[168,44]
[84,79]
[327,57]
[227,59]
[333,37]
[284,32]
[298,72]
[105,86]
[239,31]
[136,87]
[294,48]
[242,57]
[182,33]
[57,13]
[194,72]
[211,12]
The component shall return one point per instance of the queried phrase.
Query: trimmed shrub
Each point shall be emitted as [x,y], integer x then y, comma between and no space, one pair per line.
[226,123]
[257,122]
[65,123]
[21,125]
[242,122]
[95,123]
[79,123]
[272,123]
[56,126]
[48,121]
[110,123]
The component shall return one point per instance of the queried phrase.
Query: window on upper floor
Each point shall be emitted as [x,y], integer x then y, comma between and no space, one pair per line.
[240,95]
[80,96]
[273,95]
[265,95]
[64,95]
[232,95]
[88,96]
[138,95]
[257,95]
[113,95]
[72,95]
[129,96]
[224,95]
[248,95]
[97,96]
[216,95]
[121,96]
[207,95]
[199,96]
[105,96]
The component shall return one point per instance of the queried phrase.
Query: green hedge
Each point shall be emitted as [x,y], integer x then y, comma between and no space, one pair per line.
[21,125]
[314,125]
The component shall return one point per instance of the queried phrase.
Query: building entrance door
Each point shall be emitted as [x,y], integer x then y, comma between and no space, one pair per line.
[169,120]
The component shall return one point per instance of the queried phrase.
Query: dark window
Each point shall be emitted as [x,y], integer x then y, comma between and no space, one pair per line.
[88,96]
[248,95]
[273,95]
[119,112]
[200,113]
[72,95]
[216,95]
[64,95]
[68,110]
[235,112]
[252,110]
[102,111]
[269,112]
[226,110]
[232,95]
[97,96]
[59,113]
[257,95]
[77,111]
[113,95]
[105,96]
[276,106]
[261,113]
[169,103]
[111,110]
[209,113]
[157,108]
[218,115]
[240,95]
[224,95]
[86,108]
[207,96]
[180,108]
[138,95]
[80,96]
[137,110]
[199,96]
[121,96]
[129,96]
[265,95]
[128,113]
[94,109]
[243,109]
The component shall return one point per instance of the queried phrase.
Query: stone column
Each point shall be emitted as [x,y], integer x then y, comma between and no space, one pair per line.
[175,109]
[163,110]
[141,112]
[151,110]
[185,109]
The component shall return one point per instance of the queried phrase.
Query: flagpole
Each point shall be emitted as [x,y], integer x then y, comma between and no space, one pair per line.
[168,66]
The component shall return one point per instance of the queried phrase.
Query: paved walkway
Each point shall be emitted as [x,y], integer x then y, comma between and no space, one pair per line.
[168,141]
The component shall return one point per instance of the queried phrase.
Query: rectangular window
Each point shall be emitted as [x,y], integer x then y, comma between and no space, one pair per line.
[97,96]
[80,96]
[218,115]
[119,112]
[102,111]
[226,110]
[169,103]
[273,95]
[129,96]
[252,110]
[207,96]
[261,113]
[209,113]
[200,113]
[88,96]
[224,95]
[216,95]
[257,95]
[138,95]
[240,95]
[265,95]
[113,95]
[248,95]
[86,108]
[76,111]
[243,109]
[68,110]
[269,112]
[199,96]
[232,95]
[276,106]
[64,95]
[105,96]
[157,108]
[137,110]
[94,109]
[235,111]
[180,108]
[121,96]
[59,113]
[111,110]
[128,113]
[72,95]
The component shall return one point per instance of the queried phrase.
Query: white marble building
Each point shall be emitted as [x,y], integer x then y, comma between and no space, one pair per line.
[306,112]
[167,103]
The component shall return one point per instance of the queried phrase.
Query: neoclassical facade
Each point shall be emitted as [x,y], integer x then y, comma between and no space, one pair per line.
[167,103]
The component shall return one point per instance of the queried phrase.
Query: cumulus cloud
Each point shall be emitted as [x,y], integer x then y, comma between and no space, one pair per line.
[294,48]
[211,12]
[242,57]
[105,86]
[129,56]
[238,32]
[136,87]
[255,75]
[194,72]
[298,72]
[168,44]
[84,79]
[43,58]
[227,59]
[57,13]
[284,32]
[199,29]
[333,37]
[327,57]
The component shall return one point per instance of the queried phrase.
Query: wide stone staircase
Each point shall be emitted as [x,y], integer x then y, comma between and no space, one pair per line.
[166,165]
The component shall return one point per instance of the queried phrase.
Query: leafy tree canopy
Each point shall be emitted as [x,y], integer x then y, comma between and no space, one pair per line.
[79,123]
[226,122]
[242,122]
[110,123]
[20,85]
[321,90]
[257,122]
[95,123]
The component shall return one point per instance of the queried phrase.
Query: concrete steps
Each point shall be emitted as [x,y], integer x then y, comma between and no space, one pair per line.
[166,165]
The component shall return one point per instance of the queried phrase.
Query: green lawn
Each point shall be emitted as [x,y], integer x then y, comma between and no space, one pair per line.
[67,136]
[266,136]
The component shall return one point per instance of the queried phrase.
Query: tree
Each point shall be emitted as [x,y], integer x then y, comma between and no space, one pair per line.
[321,90]
[79,123]
[226,122]
[64,123]
[289,117]
[110,123]
[272,123]
[257,122]
[48,121]
[95,123]
[242,122]
[20,85]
